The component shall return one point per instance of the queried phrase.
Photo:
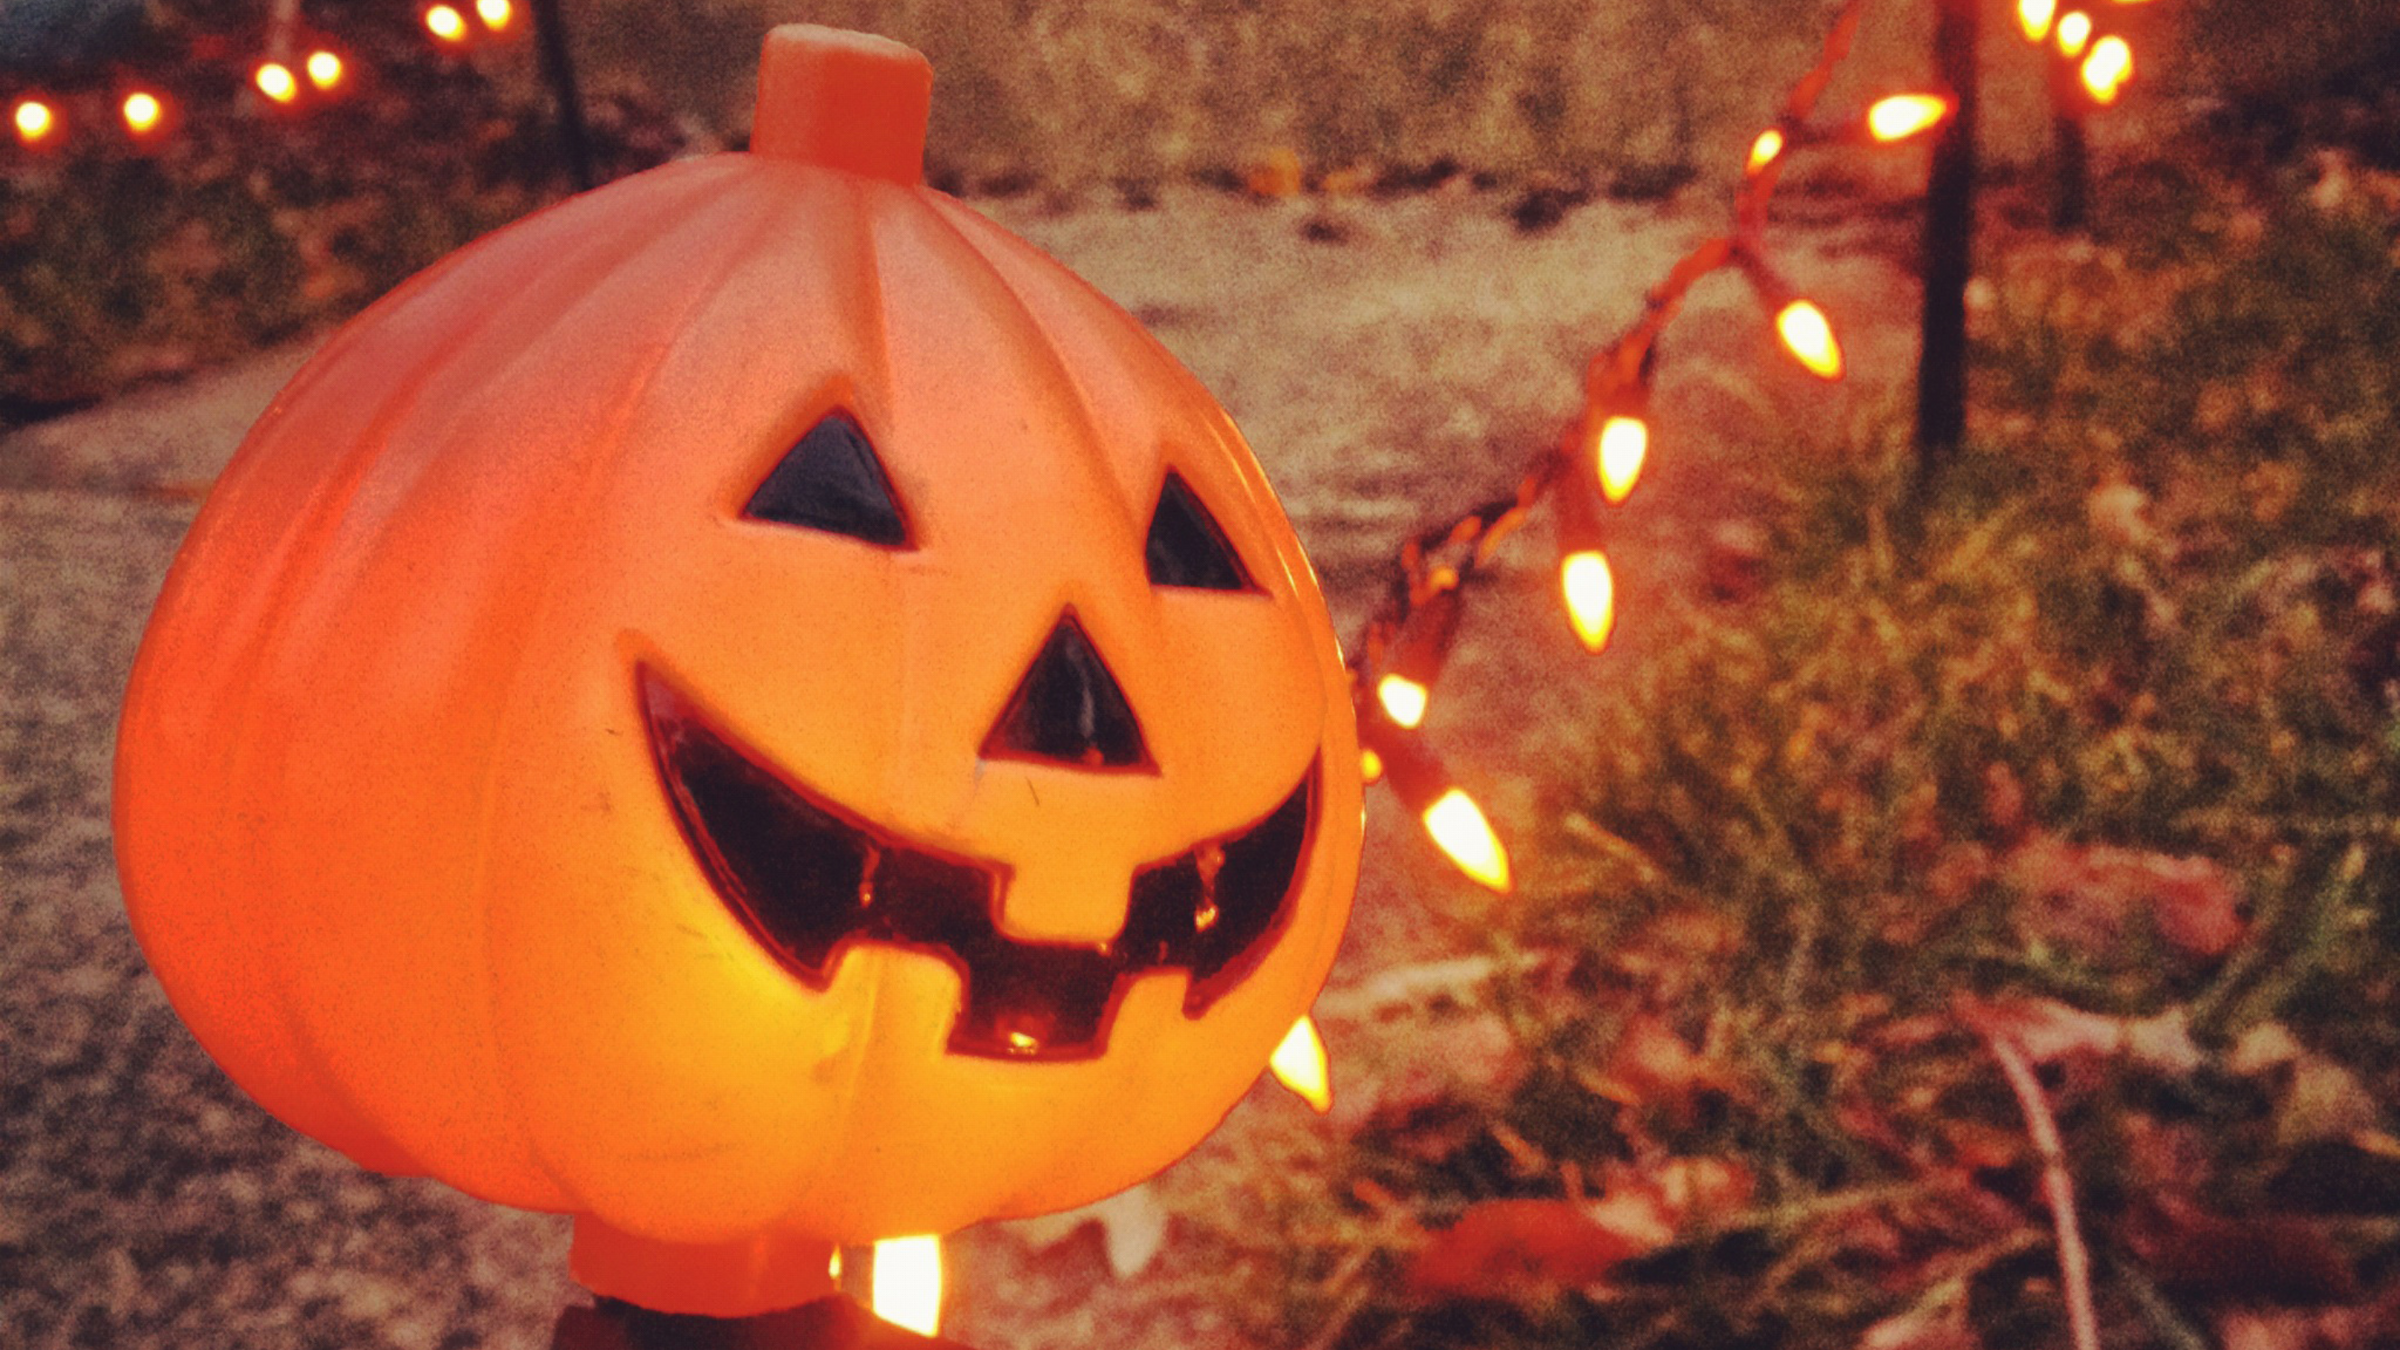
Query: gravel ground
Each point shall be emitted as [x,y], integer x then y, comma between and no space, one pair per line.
[1405,366]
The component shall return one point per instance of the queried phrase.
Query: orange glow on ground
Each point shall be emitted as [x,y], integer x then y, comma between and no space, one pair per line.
[1460,831]
[1765,150]
[1808,335]
[1299,1063]
[907,1283]
[1591,594]
[1904,115]
[1624,444]
[2106,70]
[1370,767]
[1403,700]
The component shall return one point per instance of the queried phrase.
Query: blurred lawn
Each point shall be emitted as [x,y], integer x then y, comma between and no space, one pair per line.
[1075,93]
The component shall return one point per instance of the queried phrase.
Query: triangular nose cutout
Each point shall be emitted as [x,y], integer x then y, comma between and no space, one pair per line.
[1069,710]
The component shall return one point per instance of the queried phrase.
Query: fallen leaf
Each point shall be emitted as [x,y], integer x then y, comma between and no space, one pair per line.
[1132,1226]
[2117,511]
[2003,798]
[2164,1042]
[2339,1176]
[1274,174]
[1457,979]
[1652,1065]
[2275,1258]
[1451,1057]
[2324,1101]
[2164,1157]
[2043,1029]
[1682,1190]
[2046,1031]
[1349,182]
[2265,1046]
[2090,894]
[1525,1251]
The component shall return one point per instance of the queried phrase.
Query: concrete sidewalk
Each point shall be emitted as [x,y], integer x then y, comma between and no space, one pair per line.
[145,1202]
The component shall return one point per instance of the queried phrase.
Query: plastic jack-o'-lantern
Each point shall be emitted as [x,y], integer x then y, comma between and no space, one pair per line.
[753,708]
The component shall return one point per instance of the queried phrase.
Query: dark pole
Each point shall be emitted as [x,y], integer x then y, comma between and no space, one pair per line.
[1949,236]
[2071,204]
[558,67]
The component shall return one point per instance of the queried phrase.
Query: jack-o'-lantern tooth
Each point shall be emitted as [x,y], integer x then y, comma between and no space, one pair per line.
[1186,545]
[832,481]
[1069,709]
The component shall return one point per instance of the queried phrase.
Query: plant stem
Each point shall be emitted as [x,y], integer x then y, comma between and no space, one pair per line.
[2058,1188]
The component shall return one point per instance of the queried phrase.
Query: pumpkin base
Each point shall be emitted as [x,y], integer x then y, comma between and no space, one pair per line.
[766,1273]
[834,1323]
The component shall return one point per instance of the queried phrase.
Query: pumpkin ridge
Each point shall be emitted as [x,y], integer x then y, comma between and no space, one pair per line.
[331,496]
[1088,455]
[1226,440]
[1030,321]
[589,489]
[243,750]
[1090,312]
[324,527]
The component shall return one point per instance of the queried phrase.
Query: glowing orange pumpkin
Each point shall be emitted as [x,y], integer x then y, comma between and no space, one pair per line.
[752,707]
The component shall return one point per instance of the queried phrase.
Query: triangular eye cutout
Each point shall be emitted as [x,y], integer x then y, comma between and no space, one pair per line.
[832,481]
[1186,548]
[1068,709]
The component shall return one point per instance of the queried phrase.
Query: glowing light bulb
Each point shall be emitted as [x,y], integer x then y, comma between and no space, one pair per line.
[1624,444]
[2033,18]
[446,23]
[2074,30]
[1459,829]
[2106,70]
[35,121]
[274,79]
[1299,1064]
[1370,767]
[1403,699]
[143,112]
[325,70]
[1808,335]
[1904,115]
[1765,150]
[495,13]
[907,1284]
[1591,591]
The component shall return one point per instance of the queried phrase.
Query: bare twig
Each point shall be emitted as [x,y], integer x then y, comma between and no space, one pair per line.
[2058,1188]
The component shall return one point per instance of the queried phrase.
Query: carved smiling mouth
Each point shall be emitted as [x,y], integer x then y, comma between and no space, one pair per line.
[807,878]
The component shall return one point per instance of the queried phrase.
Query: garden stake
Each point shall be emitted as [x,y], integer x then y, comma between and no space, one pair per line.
[558,67]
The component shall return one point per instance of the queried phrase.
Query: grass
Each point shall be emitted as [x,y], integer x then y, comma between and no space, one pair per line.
[2086,756]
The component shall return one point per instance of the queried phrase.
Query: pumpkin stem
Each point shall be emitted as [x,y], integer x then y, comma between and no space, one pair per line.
[742,1278]
[849,101]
